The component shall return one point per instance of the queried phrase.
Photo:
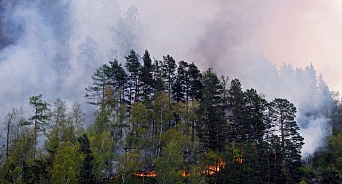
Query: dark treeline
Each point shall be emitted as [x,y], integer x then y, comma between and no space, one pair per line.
[159,121]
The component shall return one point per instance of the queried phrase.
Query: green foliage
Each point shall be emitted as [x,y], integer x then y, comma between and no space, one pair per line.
[146,78]
[96,92]
[309,175]
[101,145]
[86,170]
[40,117]
[283,114]
[329,175]
[302,182]
[160,115]
[133,66]
[67,164]
[138,126]
[11,174]
[129,163]
[169,166]
[195,84]
[336,151]
[196,176]
[236,117]
[168,68]
[254,108]
[181,84]
[40,171]
[66,127]
[23,149]
[158,82]
[211,126]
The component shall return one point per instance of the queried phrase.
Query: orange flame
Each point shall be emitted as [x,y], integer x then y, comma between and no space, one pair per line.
[213,169]
[239,160]
[184,173]
[145,174]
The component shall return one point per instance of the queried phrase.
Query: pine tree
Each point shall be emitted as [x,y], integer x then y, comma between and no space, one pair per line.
[133,66]
[96,92]
[118,80]
[255,107]
[211,126]
[146,78]
[195,84]
[86,170]
[181,85]
[251,163]
[40,117]
[270,150]
[157,77]
[283,116]
[193,92]
[168,68]
[39,171]
[236,132]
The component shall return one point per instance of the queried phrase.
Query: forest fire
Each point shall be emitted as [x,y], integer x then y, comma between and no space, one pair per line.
[185,173]
[213,169]
[145,174]
[239,160]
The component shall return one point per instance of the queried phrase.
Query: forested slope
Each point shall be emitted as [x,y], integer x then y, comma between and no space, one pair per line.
[162,121]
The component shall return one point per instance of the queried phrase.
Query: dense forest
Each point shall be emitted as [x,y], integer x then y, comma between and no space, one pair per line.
[162,121]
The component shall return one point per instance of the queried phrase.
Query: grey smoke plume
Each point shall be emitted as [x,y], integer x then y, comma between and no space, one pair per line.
[228,43]
[54,47]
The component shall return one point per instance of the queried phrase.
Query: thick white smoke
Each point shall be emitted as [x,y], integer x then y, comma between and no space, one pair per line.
[53,47]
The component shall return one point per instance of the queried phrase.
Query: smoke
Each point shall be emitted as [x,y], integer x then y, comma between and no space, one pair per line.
[233,43]
[27,64]
[315,132]
[53,47]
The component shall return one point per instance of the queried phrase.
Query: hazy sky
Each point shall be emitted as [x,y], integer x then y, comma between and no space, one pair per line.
[296,32]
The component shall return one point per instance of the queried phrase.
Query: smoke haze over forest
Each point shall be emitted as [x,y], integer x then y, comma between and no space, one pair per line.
[53,47]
